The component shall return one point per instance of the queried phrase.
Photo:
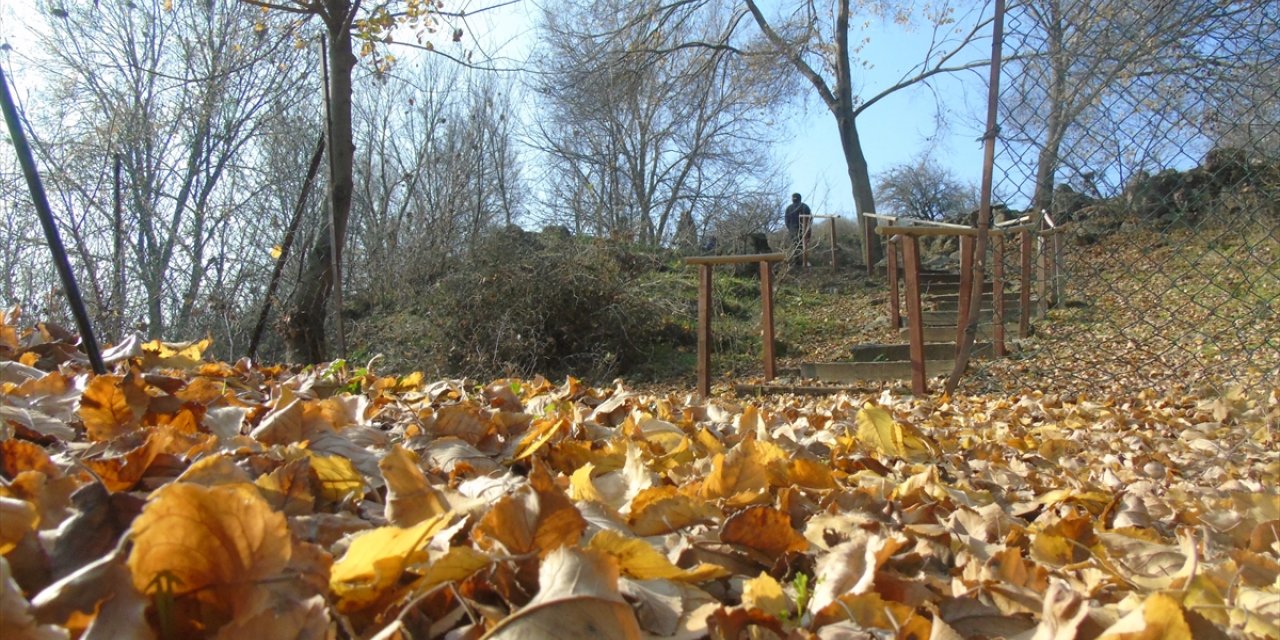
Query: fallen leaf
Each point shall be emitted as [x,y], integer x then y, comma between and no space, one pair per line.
[211,541]
[578,598]
[376,560]
[763,529]
[410,497]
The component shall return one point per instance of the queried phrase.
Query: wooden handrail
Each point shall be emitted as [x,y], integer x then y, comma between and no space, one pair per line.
[705,266]
[742,259]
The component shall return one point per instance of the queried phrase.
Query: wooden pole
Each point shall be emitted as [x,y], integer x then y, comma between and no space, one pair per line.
[915,316]
[891,267]
[335,242]
[766,320]
[1042,276]
[984,206]
[1024,301]
[704,330]
[966,290]
[41,200]
[832,222]
[997,293]
[1057,267]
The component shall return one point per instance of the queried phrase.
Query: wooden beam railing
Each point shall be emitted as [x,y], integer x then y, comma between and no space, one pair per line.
[806,224]
[1050,271]
[705,265]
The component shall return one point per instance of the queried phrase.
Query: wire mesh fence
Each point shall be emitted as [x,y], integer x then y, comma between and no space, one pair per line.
[1150,132]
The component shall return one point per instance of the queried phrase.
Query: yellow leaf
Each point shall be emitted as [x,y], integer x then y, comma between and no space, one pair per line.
[17,519]
[174,355]
[539,434]
[636,558]
[276,251]
[288,488]
[376,559]
[454,566]
[879,431]
[213,541]
[764,593]
[337,476]
[410,498]
[1159,618]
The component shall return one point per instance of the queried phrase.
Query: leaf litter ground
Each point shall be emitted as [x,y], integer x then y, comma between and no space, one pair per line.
[179,497]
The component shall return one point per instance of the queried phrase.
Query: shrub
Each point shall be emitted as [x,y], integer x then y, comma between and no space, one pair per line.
[528,303]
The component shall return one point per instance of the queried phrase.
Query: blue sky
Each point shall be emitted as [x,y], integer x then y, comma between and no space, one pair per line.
[893,131]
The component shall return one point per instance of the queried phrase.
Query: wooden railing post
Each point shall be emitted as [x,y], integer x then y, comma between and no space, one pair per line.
[891,267]
[1042,275]
[704,330]
[1057,267]
[915,317]
[1024,302]
[997,293]
[766,319]
[966,288]
[705,265]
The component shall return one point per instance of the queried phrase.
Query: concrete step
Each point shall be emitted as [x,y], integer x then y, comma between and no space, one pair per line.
[895,352]
[949,316]
[943,333]
[951,296]
[855,371]
[1011,306]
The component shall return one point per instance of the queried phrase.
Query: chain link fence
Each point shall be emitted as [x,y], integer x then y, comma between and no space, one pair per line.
[1149,131]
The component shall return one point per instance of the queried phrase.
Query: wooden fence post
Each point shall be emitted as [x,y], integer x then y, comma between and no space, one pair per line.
[891,267]
[704,330]
[997,293]
[915,317]
[1024,302]
[766,319]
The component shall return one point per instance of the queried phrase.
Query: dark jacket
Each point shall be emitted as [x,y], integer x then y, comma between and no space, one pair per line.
[792,216]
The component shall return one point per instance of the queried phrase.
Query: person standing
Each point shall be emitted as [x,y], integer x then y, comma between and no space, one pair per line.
[797,217]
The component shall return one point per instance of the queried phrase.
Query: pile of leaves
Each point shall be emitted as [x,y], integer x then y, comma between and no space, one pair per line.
[181,498]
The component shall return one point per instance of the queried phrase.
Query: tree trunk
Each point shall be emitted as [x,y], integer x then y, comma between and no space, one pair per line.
[850,144]
[303,322]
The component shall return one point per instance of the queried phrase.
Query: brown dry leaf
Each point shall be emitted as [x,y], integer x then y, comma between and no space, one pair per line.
[578,598]
[539,517]
[121,473]
[740,477]
[215,470]
[870,610]
[17,456]
[113,405]
[850,567]
[764,529]
[376,559]
[282,426]
[660,510]
[211,540]
[465,421]
[304,620]
[410,497]
[288,488]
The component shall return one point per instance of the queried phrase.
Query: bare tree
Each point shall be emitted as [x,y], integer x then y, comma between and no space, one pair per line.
[640,131]
[180,95]
[924,189]
[435,167]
